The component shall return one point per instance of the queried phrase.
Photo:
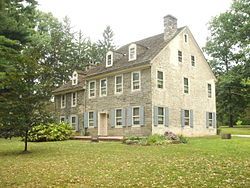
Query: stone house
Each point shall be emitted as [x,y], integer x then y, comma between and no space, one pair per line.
[161,83]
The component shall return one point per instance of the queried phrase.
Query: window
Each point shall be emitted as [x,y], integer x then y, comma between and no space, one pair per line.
[210,119]
[132,52]
[63,101]
[186,38]
[118,84]
[73,99]
[136,116]
[91,119]
[74,78]
[192,60]
[62,119]
[179,56]
[136,81]
[209,89]
[109,59]
[92,89]
[186,117]
[73,121]
[103,87]
[186,85]
[159,79]
[160,116]
[118,117]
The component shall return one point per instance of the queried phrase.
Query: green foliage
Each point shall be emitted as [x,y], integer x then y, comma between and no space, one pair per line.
[50,132]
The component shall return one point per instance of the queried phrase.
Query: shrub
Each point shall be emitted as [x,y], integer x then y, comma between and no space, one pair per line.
[50,132]
[156,139]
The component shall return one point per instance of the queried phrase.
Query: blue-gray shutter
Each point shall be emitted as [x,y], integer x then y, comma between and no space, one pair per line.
[182,118]
[207,119]
[124,117]
[85,119]
[77,124]
[141,112]
[191,118]
[166,117]
[129,116]
[214,120]
[95,119]
[155,115]
[112,118]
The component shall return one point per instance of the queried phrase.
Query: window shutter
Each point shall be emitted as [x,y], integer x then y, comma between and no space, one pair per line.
[214,120]
[166,118]
[155,115]
[112,118]
[207,119]
[182,118]
[191,118]
[124,117]
[85,119]
[129,116]
[95,119]
[141,115]
[77,124]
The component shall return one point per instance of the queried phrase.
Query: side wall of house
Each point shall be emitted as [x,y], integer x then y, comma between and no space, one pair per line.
[173,96]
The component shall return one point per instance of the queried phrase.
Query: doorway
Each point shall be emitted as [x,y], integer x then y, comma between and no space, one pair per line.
[103,124]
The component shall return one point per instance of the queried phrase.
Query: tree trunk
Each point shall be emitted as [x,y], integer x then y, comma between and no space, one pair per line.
[26,141]
[230,108]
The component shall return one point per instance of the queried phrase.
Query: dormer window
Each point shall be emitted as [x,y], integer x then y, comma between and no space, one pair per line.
[109,59]
[74,78]
[132,52]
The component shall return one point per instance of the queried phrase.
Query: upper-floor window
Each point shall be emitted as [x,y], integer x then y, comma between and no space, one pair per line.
[159,79]
[109,59]
[92,88]
[179,56]
[63,101]
[186,85]
[136,115]
[132,52]
[118,117]
[73,99]
[136,81]
[186,38]
[209,89]
[118,84]
[187,117]
[103,87]
[74,78]
[192,60]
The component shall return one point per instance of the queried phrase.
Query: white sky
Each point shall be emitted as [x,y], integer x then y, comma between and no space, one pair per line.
[132,20]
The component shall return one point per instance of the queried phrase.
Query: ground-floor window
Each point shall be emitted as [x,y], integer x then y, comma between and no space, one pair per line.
[160,116]
[186,117]
[118,117]
[136,115]
[91,119]
[210,119]
[62,119]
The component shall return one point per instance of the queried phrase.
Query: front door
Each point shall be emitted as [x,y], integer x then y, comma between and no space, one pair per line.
[103,124]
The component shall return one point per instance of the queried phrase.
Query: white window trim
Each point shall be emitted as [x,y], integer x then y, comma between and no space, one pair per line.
[194,61]
[186,118]
[61,118]
[183,85]
[163,80]
[63,106]
[210,120]
[100,88]
[121,75]
[132,88]
[135,56]
[94,89]
[135,125]
[74,78]
[118,126]
[71,120]
[73,105]
[112,57]
[208,91]
[160,115]
[93,120]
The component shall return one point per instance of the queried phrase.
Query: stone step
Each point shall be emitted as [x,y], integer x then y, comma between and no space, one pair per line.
[100,138]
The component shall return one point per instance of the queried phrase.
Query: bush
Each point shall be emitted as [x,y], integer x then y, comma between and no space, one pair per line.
[50,132]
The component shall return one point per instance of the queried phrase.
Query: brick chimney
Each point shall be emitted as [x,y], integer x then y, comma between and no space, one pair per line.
[170,26]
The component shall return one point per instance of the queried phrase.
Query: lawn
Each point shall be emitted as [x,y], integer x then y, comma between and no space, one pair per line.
[244,130]
[203,162]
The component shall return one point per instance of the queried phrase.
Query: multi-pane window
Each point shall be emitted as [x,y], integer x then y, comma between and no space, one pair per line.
[136,116]
[132,53]
[118,117]
[179,56]
[109,60]
[192,60]
[186,117]
[135,81]
[118,84]
[160,115]
[91,119]
[62,119]
[209,89]
[74,79]
[186,85]
[159,79]
[210,119]
[73,122]
[73,99]
[63,101]
[92,89]
[103,87]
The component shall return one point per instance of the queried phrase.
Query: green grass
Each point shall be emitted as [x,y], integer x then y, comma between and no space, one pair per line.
[244,130]
[203,162]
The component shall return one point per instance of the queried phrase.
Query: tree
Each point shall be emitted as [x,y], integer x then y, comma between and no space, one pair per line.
[229,51]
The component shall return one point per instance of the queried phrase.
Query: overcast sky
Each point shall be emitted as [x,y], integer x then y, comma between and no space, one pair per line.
[132,20]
